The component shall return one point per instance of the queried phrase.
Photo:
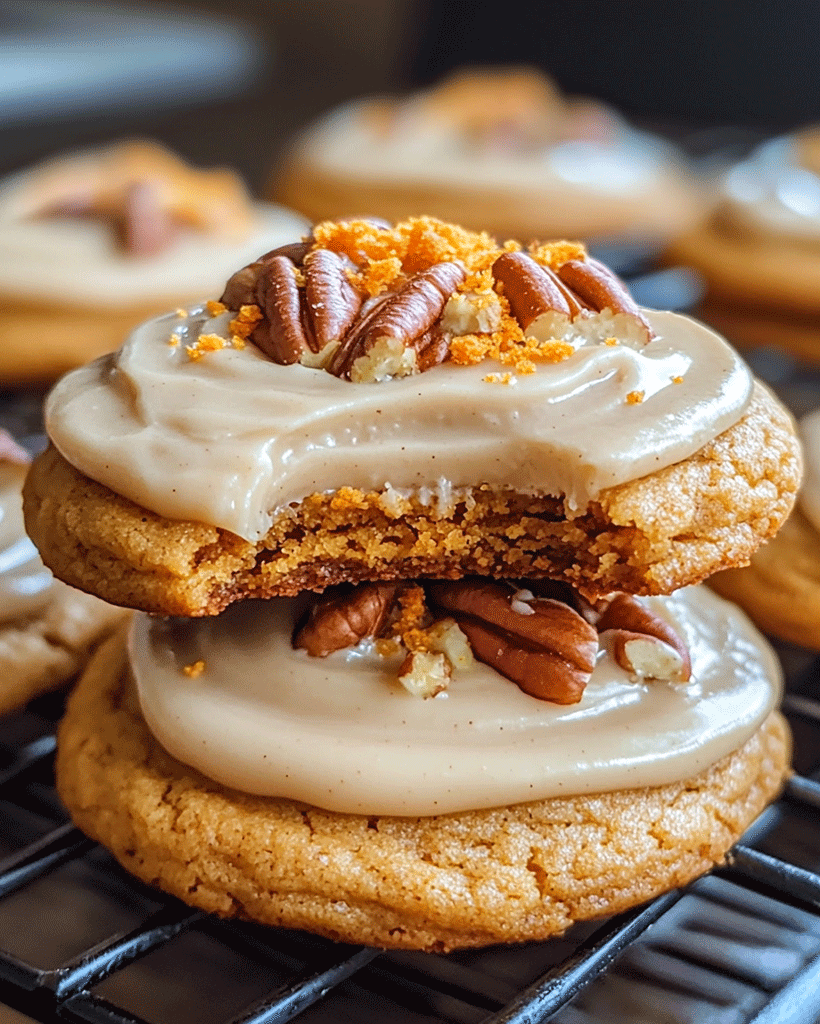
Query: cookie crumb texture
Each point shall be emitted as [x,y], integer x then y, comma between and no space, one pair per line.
[505,875]
[650,536]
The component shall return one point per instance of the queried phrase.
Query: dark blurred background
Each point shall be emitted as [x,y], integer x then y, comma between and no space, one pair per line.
[229,82]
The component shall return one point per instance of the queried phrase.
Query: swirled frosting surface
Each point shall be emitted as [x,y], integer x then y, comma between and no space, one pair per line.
[339,733]
[232,437]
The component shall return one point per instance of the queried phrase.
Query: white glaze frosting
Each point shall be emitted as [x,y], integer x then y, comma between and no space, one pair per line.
[341,733]
[77,261]
[232,437]
[626,163]
[771,194]
[26,586]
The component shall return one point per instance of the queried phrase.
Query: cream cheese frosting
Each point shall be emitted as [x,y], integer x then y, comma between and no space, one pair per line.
[230,438]
[771,194]
[26,586]
[76,261]
[342,734]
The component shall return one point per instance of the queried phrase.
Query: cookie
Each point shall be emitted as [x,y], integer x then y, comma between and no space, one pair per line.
[500,874]
[780,589]
[759,251]
[493,149]
[94,243]
[445,416]
[47,629]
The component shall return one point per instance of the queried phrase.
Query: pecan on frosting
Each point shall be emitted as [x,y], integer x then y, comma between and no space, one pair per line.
[544,639]
[368,302]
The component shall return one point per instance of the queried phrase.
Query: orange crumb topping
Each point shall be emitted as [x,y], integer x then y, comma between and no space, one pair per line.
[242,325]
[194,670]
[635,397]
[204,343]
[677,380]
[411,615]
[556,254]
[215,308]
[498,378]
[182,313]
[174,340]
[611,341]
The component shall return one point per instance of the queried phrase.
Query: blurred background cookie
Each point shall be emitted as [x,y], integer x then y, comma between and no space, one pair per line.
[93,243]
[760,249]
[47,630]
[497,149]
[780,589]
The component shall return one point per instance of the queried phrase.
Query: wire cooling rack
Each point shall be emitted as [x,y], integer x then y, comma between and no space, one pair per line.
[82,941]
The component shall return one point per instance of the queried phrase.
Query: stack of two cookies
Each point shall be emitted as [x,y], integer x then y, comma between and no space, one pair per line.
[415,510]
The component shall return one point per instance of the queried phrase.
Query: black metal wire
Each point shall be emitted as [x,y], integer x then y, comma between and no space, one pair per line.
[70,984]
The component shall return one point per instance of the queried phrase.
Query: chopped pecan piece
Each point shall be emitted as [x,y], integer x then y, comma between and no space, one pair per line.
[530,290]
[342,619]
[643,643]
[549,653]
[396,326]
[598,286]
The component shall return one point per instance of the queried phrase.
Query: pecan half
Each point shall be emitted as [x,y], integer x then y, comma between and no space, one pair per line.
[643,643]
[397,325]
[530,290]
[331,301]
[549,653]
[598,286]
[282,337]
[341,619]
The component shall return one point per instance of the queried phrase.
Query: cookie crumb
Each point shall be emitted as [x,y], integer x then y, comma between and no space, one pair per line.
[194,670]
[677,380]
[215,308]
[205,343]
[174,340]
[635,397]
[611,341]
[181,313]
[499,378]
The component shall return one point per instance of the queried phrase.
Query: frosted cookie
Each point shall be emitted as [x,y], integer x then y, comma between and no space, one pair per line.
[760,249]
[780,589]
[382,403]
[93,243]
[317,792]
[47,630]
[499,150]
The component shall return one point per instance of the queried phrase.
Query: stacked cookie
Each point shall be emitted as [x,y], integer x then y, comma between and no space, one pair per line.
[759,251]
[419,515]
[93,243]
